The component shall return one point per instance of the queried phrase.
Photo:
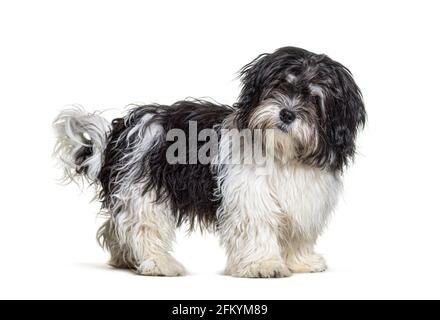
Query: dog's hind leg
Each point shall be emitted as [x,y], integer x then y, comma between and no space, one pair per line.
[145,231]
[107,238]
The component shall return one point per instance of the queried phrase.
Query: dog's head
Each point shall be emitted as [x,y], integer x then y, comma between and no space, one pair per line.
[311,102]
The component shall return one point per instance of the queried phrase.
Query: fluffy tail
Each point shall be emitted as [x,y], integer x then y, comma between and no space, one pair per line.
[81,141]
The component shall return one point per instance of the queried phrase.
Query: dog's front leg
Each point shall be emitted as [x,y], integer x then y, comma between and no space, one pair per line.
[301,257]
[252,248]
[249,226]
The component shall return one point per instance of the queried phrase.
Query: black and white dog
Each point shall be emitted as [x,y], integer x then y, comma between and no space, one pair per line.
[307,109]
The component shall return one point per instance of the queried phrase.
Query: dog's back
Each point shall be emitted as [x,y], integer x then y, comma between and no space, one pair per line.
[137,154]
[132,151]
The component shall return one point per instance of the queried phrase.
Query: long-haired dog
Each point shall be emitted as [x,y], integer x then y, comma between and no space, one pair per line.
[308,110]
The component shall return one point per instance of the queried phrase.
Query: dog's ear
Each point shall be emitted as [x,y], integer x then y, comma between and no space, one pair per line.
[252,77]
[345,114]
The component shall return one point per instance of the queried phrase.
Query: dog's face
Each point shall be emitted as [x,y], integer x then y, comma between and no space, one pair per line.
[311,102]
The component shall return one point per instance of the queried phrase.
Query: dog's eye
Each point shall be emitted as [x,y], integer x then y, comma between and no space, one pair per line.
[316,100]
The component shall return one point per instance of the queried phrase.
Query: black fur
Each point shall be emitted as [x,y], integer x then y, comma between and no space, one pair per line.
[344,108]
[81,156]
[187,188]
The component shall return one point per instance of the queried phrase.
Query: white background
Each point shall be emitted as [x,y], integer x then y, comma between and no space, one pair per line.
[384,239]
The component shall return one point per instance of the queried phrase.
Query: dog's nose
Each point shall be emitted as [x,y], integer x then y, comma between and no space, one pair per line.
[287,116]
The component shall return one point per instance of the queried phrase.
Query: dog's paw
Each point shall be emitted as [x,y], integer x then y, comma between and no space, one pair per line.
[310,263]
[271,268]
[161,266]
[118,263]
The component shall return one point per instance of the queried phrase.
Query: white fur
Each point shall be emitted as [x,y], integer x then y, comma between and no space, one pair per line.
[291,78]
[269,223]
[143,235]
[144,230]
[76,128]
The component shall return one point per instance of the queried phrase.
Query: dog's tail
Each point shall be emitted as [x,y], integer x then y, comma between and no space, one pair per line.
[81,139]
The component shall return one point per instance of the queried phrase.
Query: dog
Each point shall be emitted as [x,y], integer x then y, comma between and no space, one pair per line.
[308,111]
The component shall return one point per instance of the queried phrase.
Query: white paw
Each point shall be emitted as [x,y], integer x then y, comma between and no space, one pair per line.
[310,263]
[118,263]
[161,266]
[270,268]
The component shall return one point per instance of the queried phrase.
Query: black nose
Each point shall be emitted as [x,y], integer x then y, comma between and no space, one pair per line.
[287,116]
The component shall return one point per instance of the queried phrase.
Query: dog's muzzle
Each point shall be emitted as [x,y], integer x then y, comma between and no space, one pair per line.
[287,116]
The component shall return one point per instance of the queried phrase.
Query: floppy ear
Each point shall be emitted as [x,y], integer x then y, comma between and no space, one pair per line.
[252,78]
[345,114]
